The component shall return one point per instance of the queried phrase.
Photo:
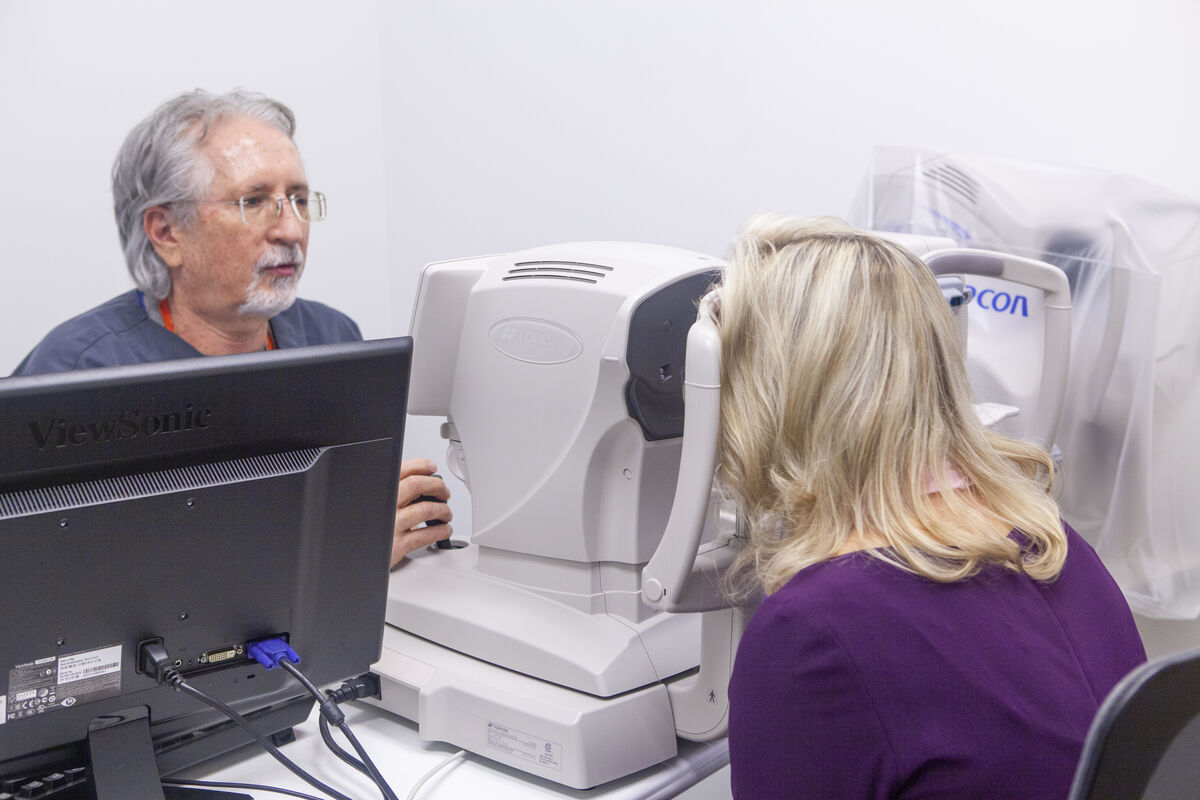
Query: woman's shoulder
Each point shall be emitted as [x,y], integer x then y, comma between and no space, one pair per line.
[834,589]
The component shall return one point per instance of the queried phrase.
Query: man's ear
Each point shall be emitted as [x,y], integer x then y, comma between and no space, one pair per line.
[160,230]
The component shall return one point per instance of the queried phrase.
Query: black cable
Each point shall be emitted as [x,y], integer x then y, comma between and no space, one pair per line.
[305,682]
[366,685]
[177,682]
[380,781]
[254,787]
[330,711]
[337,749]
[154,660]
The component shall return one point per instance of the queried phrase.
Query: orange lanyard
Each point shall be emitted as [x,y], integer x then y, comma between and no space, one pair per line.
[165,309]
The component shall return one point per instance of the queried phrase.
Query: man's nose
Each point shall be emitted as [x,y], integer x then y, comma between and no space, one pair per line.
[287,227]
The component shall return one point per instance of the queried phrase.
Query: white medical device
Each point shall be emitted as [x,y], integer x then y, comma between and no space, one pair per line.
[1040,423]
[1129,432]
[582,629]
[1034,414]
[560,372]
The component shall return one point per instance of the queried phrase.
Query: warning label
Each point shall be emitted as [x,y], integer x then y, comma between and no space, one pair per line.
[49,684]
[524,746]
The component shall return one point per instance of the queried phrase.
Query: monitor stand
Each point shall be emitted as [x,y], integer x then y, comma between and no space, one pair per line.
[122,759]
[122,755]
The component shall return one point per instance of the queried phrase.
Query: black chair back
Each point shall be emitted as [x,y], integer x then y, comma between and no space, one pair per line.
[1145,740]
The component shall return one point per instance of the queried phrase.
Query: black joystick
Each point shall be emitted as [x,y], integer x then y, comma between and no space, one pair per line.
[441,544]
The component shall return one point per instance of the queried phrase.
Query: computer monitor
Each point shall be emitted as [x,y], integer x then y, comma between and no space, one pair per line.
[206,502]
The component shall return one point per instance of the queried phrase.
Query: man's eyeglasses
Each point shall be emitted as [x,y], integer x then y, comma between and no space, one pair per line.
[262,208]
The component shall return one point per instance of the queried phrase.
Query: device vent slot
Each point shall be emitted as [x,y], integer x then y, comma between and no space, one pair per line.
[579,271]
[576,278]
[584,264]
[130,487]
[955,180]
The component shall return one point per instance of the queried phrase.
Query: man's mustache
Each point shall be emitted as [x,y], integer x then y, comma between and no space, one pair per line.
[280,255]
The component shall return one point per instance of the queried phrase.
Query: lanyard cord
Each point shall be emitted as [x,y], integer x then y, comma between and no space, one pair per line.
[164,308]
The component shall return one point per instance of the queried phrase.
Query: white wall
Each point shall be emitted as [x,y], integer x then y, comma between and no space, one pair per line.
[527,122]
[460,127]
[75,76]
[463,126]
[518,123]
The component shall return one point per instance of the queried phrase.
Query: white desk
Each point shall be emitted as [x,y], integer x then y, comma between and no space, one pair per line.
[404,758]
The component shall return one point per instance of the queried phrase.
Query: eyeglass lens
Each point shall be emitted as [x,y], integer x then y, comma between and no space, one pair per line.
[307,206]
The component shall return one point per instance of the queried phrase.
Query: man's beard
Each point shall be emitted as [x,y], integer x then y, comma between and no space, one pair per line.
[269,295]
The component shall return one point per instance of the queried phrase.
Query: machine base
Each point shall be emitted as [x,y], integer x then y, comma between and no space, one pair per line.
[559,734]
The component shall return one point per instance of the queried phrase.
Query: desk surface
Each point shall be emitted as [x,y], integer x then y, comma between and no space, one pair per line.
[403,758]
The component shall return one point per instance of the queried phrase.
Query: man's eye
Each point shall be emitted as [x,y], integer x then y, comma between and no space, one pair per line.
[253,200]
[300,199]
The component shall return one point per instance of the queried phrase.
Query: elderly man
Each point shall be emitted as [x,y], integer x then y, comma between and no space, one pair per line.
[213,209]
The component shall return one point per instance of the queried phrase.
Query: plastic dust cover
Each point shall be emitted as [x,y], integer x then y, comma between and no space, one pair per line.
[1130,427]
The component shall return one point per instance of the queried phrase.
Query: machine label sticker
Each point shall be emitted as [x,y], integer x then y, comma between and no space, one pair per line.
[58,682]
[535,341]
[522,746]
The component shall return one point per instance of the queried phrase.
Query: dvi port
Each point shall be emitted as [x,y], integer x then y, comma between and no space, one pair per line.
[221,654]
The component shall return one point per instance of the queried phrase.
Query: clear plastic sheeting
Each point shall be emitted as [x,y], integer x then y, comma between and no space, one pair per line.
[1130,427]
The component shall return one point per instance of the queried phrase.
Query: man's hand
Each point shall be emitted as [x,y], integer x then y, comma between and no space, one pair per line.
[416,479]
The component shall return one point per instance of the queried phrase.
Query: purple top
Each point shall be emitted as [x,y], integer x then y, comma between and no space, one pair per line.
[859,680]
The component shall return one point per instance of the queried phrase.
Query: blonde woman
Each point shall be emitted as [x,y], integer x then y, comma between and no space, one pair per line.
[931,628]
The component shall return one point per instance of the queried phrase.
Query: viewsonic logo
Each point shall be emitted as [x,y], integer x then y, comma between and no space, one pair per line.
[59,432]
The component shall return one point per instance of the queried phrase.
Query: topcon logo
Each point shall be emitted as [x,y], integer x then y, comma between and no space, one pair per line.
[1001,302]
[535,341]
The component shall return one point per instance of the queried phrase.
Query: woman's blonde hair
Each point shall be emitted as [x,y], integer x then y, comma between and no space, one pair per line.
[843,395]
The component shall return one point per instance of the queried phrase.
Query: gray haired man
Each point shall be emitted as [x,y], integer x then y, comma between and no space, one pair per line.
[213,209]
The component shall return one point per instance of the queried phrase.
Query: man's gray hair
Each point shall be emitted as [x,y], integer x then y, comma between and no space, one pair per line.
[160,165]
